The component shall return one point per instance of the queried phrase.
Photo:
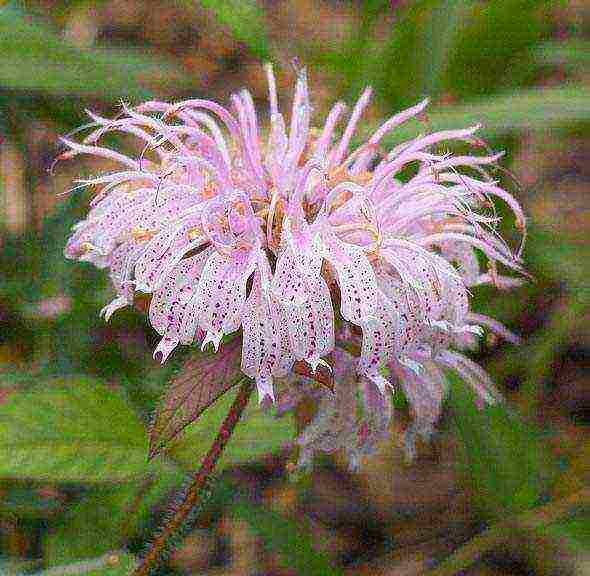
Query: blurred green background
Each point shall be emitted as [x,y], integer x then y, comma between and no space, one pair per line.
[77,495]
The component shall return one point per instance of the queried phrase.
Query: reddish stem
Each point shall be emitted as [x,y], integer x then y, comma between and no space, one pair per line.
[152,558]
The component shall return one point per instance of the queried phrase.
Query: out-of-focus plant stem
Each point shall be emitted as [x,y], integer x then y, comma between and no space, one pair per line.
[17,135]
[84,567]
[193,494]
[134,505]
[531,520]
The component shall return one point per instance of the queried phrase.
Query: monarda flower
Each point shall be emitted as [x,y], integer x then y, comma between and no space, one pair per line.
[306,246]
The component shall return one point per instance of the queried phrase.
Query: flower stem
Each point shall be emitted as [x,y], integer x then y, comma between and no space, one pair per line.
[193,494]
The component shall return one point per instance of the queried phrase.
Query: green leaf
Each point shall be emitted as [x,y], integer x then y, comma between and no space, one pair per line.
[17,567]
[27,501]
[540,109]
[35,58]
[69,7]
[258,433]
[571,53]
[14,380]
[118,564]
[294,543]
[457,47]
[108,517]
[503,459]
[244,19]
[115,563]
[492,50]
[576,531]
[559,260]
[71,430]
[403,55]
[441,31]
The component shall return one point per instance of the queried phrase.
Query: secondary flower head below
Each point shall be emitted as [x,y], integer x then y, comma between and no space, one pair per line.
[305,245]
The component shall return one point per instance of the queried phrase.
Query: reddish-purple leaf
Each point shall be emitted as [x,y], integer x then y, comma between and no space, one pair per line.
[322,375]
[201,381]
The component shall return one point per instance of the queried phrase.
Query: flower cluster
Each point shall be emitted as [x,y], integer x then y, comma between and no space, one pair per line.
[302,243]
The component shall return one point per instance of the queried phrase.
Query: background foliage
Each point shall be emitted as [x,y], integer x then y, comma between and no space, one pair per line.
[77,493]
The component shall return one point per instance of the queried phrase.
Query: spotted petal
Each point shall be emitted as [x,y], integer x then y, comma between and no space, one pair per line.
[266,347]
[356,278]
[222,292]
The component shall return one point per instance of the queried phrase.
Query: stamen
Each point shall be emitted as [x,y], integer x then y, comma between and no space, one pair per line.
[271,214]
[194,233]
[140,234]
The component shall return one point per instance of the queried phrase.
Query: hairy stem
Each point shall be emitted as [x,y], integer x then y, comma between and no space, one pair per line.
[496,535]
[193,494]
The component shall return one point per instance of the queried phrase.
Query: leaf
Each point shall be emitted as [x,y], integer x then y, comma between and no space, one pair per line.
[576,531]
[28,501]
[245,20]
[559,260]
[402,55]
[202,379]
[540,109]
[17,567]
[11,382]
[493,48]
[35,58]
[108,517]
[295,544]
[71,430]
[69,7]
[321,375]
[503,459]
[257,433]
[451,47]
[115,563]
[14,380]
[513,531]
[571,53]
[440,34]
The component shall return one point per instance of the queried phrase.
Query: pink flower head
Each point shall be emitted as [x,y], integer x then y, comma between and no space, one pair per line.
[295,236]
